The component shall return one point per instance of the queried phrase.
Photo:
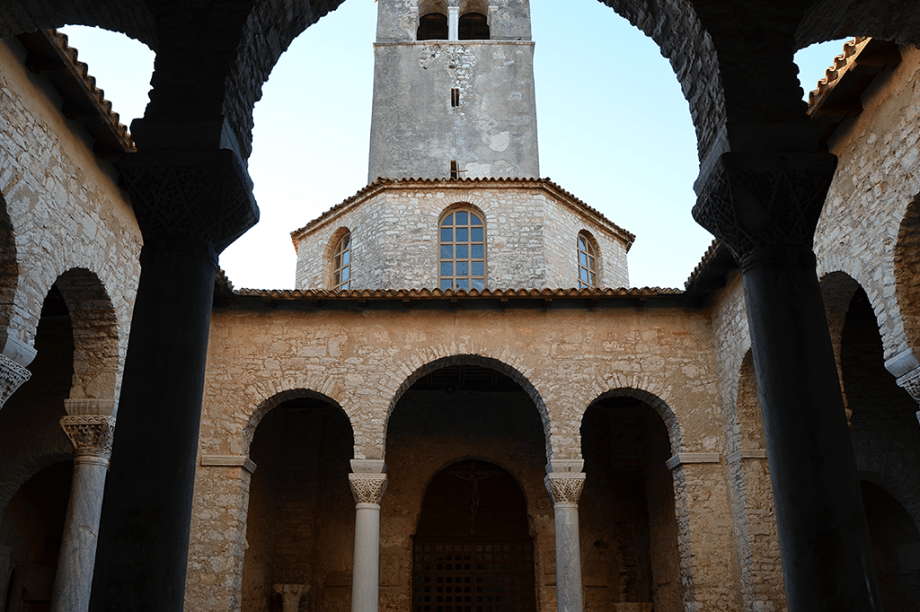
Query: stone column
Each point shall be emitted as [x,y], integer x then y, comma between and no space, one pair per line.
[290,595]
[905,366]
[764,207]
[565,481]
[89,424]
[14,357]
[368,484]
[453,23]
[190,205]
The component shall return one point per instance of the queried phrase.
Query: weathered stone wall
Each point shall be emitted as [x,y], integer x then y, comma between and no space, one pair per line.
[571,357]
[530,239]
[416,132]
[65,209]
[876,181]
[756,567]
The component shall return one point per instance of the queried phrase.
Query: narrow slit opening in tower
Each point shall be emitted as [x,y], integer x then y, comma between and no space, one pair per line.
[455,97]
[454,172]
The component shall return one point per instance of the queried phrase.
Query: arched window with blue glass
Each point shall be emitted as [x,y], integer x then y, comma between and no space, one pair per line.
[587,261]
[462,249]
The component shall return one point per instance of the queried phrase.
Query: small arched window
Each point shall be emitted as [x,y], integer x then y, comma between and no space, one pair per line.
[432,26]
[587,262]
[462,251]
[341,263]
[473,26]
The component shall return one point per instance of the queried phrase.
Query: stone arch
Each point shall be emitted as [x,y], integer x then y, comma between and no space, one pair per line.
[426,7]
[671,423]
[748,422]
[9,267]
[131,17]
[483,361]
[474,6]
[276,400]
[830,20]
[877,475]
[906,264]
[97,363]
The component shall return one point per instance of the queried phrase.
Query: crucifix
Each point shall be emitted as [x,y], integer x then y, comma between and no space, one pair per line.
[473,477]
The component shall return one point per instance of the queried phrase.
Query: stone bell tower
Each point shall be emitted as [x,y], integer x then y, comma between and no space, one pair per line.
[453,90]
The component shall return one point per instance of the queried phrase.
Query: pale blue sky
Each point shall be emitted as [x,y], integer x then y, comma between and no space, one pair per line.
[613,126]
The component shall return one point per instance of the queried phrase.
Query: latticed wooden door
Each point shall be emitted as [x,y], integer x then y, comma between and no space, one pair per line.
[456,574]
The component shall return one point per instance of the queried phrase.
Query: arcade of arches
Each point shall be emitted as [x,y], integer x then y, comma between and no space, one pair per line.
[746,444]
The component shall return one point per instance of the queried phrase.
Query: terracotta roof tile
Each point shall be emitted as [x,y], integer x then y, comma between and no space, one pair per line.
[435,294]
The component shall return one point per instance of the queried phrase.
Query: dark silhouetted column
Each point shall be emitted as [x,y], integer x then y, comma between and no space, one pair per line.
[190,205]
[764,207]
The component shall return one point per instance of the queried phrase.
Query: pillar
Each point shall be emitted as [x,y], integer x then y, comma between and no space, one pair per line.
[704,523]
[565,482]
[453,22]
[905,366]
[89,424]
[368,484]
[291,595]
[14,357]
[190,205]
[764,207]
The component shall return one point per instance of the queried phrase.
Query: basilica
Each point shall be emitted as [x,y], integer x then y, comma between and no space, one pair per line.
[463,406]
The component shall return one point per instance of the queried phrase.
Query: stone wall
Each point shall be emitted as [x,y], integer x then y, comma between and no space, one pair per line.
[570,356]
[876,182]
[65,208]
[531,235]
[417,133]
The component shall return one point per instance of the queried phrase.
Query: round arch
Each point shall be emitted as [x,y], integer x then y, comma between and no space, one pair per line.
[9,266]
[907,281]
[276,400]
[97,362]
[671,423]
[485,362]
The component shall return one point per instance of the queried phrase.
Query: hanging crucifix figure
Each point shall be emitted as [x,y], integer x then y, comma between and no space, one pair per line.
[473,477]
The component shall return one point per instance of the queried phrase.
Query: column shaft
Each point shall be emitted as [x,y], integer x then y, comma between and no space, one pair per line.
[565,488]
[368,488]
[824,537]
[569,596]
[144,536]
[364,586]
[74,577]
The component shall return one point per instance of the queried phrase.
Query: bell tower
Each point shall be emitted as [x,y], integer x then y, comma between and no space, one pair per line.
[453,90]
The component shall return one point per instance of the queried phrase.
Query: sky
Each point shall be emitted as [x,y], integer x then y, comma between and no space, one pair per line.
[613,127]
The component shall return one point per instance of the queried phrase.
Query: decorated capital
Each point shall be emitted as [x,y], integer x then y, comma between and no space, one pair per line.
[565,487]
[190,194]
[910,382]
[12,376]
[91,435]
[755,200]
[368,488]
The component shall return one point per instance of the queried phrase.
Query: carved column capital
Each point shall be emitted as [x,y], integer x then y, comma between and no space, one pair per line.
[565,487]
[12,376]
[91,435]
[755,200]
[910,382]
[190,194]
[368,488]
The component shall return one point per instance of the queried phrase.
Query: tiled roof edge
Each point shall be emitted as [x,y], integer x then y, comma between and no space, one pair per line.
[380,183]
[80,71]
[835,71]
[435,294]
